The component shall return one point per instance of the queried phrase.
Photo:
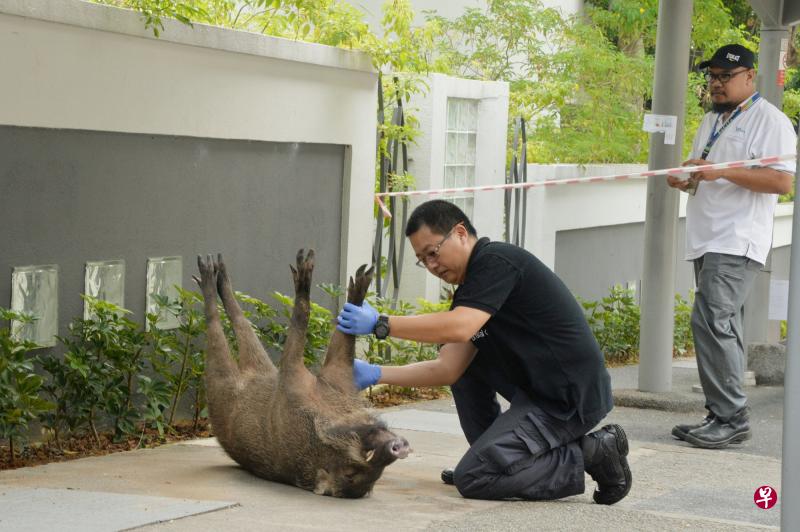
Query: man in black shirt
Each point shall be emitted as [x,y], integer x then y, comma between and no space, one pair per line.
[514,329]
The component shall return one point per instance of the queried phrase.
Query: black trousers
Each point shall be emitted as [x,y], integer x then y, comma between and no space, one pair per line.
[522,453]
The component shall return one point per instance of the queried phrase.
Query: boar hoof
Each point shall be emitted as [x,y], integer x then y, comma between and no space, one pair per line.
[208,274]
[302,274]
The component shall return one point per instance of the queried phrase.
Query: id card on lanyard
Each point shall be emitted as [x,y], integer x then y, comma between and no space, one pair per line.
[715,133]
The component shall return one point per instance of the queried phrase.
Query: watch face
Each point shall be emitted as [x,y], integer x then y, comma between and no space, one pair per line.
[381,329]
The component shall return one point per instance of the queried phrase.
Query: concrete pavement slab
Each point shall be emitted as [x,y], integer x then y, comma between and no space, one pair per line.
[37,509]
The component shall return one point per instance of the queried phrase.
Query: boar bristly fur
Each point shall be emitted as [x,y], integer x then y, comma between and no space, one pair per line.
[286,424]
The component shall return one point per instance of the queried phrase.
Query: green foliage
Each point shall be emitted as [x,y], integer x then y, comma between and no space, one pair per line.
[178,357]
[683,341]
[614,320]
[582,83]
[97,378]
[615,323]
[20,401]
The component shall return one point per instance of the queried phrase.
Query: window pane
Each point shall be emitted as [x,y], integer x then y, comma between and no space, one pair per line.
[452,148]
[163,275]
[471,148]
[462,148]
[452,113]
[469,180]
[450,177]
[34,290]
[105,280]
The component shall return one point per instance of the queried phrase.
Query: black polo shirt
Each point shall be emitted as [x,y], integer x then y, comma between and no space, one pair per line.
[538,333]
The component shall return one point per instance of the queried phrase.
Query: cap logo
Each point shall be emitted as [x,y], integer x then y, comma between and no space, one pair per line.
[733,58]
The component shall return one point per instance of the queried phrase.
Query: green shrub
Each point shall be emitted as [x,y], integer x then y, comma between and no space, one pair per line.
[614,320]
[683,341]
[20,400]
[103,363]
[178,357]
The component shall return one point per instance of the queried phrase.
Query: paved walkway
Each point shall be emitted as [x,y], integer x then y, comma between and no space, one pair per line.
[195,486]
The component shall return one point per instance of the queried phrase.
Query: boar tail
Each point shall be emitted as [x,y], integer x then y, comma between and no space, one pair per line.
[252,356]
[338,367]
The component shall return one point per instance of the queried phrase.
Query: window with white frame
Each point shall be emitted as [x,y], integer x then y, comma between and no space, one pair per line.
[460,150]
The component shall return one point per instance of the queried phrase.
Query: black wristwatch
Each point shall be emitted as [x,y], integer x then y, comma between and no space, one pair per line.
[382,327]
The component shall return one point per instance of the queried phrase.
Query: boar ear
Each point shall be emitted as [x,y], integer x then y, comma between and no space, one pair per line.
[341,437]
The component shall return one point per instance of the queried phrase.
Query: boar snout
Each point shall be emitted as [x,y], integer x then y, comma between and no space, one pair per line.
[400,448]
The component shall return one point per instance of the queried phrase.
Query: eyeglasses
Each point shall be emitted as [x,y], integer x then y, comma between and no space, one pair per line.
[723,78]
[433,254]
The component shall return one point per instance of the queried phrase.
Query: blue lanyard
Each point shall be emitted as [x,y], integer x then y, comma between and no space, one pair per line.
[715,134]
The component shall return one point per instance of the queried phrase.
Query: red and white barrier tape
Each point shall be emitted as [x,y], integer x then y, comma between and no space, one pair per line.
[594,179]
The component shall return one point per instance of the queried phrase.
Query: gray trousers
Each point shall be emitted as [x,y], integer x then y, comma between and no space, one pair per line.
[723,282]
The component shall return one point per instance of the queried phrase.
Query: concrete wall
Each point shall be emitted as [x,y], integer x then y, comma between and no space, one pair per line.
[592,234]
[70,65]
[74,196]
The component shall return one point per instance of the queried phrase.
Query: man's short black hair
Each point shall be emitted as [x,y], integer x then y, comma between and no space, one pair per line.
[440,216]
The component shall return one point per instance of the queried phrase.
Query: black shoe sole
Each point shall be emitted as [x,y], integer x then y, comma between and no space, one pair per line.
[622,449]
[448,477]
[705,444]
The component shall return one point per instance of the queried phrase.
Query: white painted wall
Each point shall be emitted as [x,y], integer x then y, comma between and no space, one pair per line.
[427,158]
[77,65]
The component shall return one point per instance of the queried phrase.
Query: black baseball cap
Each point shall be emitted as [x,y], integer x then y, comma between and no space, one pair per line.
[729,57]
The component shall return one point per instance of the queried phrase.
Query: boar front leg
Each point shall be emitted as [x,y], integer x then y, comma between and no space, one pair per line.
[338,367]
[252,356]
[294,376]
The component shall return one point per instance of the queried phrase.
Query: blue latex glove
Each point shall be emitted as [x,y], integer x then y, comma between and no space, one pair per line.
[365,374]
[357,320]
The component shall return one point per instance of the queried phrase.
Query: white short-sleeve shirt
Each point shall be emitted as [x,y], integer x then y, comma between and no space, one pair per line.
[723,217]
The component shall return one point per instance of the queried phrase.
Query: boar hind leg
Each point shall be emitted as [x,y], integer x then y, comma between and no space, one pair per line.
[252,356]
[221,372]
[293,372]
[338,367]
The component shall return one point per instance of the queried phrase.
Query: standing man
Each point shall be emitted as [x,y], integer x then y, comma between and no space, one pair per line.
[514,329]
[729,233]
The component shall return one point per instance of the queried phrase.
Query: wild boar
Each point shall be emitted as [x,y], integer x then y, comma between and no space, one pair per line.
[286,424]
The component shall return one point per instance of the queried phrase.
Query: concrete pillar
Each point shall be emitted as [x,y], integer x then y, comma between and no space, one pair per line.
[790,465]
[661,221]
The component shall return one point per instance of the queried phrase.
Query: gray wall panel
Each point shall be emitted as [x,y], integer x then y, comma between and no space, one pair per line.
[69,196]
[590,261]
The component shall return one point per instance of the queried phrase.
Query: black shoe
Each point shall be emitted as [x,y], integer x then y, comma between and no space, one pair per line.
[447,477]
[604,458]
[680,431]
[719,434]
